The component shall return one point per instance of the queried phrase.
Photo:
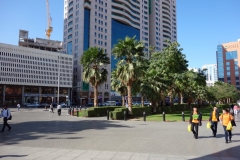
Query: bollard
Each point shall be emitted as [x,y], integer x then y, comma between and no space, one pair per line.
[144,116]
[164,118]
[77,113]
[125,115]
[69,111]
[107,114]
[72,111]
[183,117]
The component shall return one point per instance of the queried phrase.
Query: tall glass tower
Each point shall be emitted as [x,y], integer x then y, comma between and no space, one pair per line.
[102,22]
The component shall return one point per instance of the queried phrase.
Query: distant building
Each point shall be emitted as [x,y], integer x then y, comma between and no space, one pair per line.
[228,62]
[210,73]
[30,76]
[198,70]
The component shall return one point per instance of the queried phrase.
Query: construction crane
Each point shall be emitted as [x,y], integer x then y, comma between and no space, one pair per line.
[49,22]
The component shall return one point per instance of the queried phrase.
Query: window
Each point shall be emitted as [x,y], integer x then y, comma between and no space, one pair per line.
[70,23]
[231,55]
[70,36]
[228,73]
[69,47]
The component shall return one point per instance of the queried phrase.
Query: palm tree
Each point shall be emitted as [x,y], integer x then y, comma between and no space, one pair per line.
[118,86]
[93,60]
[130,54]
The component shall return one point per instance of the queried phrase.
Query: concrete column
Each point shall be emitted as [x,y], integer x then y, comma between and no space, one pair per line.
[23,98]
[40,93]
[55,95]
[4,91]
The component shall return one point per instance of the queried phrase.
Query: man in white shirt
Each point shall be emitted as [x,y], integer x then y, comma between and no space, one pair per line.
[18,105]
[6,115]
[59,109]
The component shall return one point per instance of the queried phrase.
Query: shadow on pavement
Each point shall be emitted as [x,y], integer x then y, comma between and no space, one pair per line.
[27,131]
[228,153]
[8,156]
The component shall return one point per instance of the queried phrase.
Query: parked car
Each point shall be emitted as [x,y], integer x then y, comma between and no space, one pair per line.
[104,104]
[90,105]
[146,103]
[33,105]
[118,104]
[63,104]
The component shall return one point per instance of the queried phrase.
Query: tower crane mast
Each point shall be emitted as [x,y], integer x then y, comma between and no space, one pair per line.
[49,21]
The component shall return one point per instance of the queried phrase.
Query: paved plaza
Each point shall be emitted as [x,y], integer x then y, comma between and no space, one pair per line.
[39,134]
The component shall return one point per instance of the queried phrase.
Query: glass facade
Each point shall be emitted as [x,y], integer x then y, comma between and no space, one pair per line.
[231,55]
[220,63]
[86,29]
[120,31]
[69,48]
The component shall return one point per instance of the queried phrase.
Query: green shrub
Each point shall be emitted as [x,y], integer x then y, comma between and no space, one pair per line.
[116,115]
[221,106]
[97,111]
[138,111]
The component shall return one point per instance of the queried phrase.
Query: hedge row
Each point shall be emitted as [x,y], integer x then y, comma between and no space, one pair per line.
[118,113]
[96,111]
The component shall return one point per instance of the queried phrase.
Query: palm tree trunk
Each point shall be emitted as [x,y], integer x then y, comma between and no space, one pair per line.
[142,100]
[123,100]
[154,106]
[181,96]
[95,96]
[129,88]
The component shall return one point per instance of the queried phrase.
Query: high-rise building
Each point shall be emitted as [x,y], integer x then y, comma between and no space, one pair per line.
[103,22]
[210,71]
[228,62]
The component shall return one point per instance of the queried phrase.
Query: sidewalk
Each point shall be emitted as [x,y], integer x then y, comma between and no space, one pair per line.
[32,153]
[39,134]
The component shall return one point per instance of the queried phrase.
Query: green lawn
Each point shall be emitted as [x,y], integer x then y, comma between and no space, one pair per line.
[177,116]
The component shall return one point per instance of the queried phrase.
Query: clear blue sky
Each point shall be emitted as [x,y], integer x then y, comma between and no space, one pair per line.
[202,24]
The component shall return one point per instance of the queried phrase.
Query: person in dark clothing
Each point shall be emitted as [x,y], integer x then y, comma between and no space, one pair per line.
[195,121]
[6,115]
[214,119]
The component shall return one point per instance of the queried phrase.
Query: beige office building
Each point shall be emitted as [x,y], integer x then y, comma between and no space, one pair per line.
[102,22]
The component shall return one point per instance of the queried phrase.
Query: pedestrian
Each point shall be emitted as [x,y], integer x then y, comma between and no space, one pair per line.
[51,107]
[214,119]
[225,118]
[6,115]
[18,106]
[235,109]
[59,109]
[195,121]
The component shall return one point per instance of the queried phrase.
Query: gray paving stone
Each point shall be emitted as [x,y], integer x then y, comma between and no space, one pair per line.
[105,155]
[38,134]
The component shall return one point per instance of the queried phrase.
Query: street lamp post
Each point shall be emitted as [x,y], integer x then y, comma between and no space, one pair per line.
[67,101]
[58,78]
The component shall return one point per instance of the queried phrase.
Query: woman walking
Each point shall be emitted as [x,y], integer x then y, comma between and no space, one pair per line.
[226,118]
[235,109]
[195,121]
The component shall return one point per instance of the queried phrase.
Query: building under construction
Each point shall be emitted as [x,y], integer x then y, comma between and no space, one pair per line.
[38,43]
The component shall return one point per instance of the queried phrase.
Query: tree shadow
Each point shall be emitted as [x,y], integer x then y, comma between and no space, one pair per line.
[229,153]
[15,156]
[27,131]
